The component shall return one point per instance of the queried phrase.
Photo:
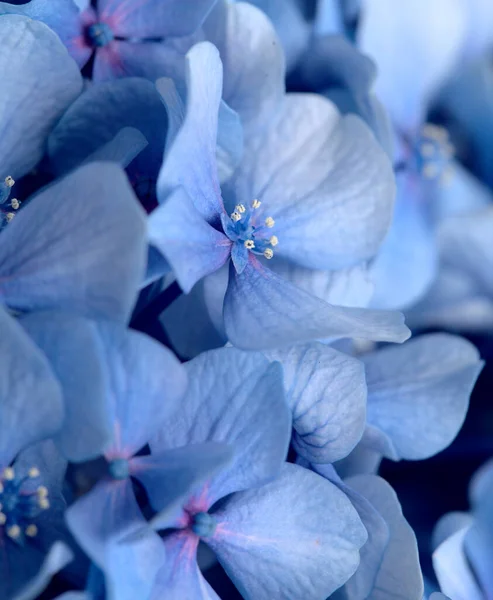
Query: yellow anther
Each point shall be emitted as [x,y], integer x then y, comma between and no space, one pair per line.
[268,253]
[33,472]
[427,150]
[240,208]
[256,204]
[14,203]
[235,216]
[270,222]
[8,474]
[31,531]
[43,503]
[10,216]
[42,491]
[249,244]
[430,171]
[9,181]
[3,519]
[273,240]
[14,531]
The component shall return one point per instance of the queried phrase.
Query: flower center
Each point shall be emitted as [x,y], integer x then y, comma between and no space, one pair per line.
[250,228]
[433,153]
[19,506]
[8,205]
[99,35]
[118,468]
[203,524]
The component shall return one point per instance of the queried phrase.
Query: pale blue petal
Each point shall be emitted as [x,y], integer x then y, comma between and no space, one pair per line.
[399,573]
[415,46]
[327,394]
[297,537]
[31,406]
[99,114]
[263,311]
[236,398]
[78,245]
[39,81]
[127,144]
[253,61]
[192,247]
[448,525]
[172,474]
[145,385]
[453,571]
[190,162]
[154,18]
[104,522]
[76,359]
[418,394]
[56,559]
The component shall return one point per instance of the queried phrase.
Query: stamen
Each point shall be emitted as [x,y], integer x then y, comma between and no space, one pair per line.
[256,204]
[33,472]
[15,204]
[240,208]
[14,531]
[42,491]
[430,171]
[235,216]
[8,473]
[3,518]
[9,181]
[268,253]
[10,216]
[43,503]
[270,222]
[273,240]
[31,531]
[249,244]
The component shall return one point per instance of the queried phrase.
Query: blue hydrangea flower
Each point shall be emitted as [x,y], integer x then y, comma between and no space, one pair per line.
[120,388]
[271,538]
[272,207]
[143,37]
[418,396]
[464,548]
[31,409]
[429,180]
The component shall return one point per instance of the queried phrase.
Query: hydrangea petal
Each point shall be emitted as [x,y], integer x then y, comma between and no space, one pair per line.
[105,523]
[291,27]
[181,577]
[78,245]
[262,311]
[127,144]
[154,18]
[76,360]
[253,62]
[100,113]
[325,181]
[39,81]
[170,475]
[399,573]
[277,542]
[407,80]
[452,569]
[62,16]
[193,248]
[236,398]
[191,160]
[31,406]
[56,559]
[327,393]
[145,384]
[418,394]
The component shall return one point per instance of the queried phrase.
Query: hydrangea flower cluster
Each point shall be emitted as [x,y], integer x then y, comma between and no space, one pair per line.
[212,214]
